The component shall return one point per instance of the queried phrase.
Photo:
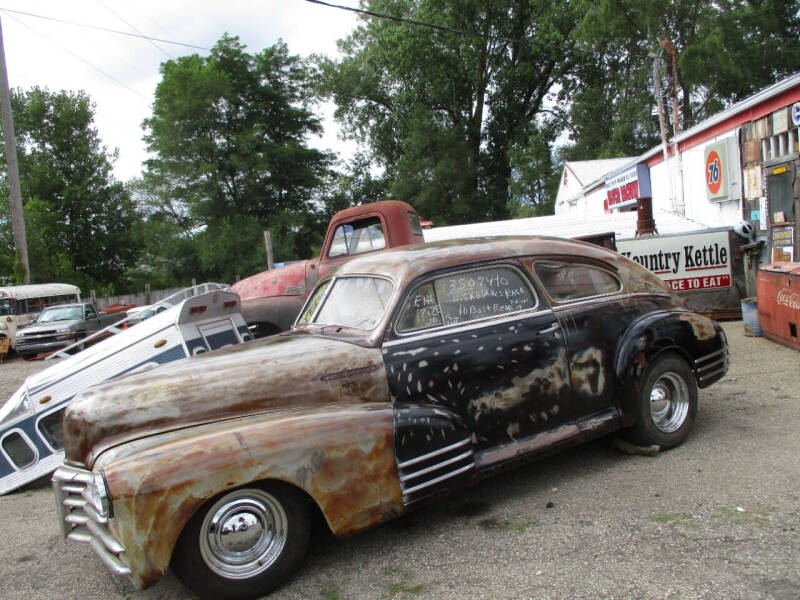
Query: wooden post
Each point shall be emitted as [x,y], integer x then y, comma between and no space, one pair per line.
[147,294]
[15,195]
[268,245]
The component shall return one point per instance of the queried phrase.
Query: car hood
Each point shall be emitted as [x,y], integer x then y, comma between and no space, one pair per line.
[287,372]
[288,280]
[49,326]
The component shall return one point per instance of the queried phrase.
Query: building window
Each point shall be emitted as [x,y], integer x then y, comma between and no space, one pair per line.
[780,145]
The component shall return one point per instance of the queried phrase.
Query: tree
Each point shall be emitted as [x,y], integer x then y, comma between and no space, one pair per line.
[444,110]
[726,50]
[229,136]
[79,219]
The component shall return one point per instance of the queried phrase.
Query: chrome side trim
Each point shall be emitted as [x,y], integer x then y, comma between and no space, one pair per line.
[424,457]
[706,376]
[710,356]
[80,520]
[436,467]
[439,479]
[716,363]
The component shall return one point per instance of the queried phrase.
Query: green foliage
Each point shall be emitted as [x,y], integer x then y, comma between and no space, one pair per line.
[443,112]
[78,218]
[725,51]
[228,132]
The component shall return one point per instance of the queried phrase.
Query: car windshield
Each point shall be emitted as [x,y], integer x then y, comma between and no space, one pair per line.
[358,302]
[62,313]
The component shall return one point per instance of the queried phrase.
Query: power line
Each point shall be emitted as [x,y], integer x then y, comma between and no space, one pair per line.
[83,60]
[152,43]
[371,13]
[547,48]
[135,35]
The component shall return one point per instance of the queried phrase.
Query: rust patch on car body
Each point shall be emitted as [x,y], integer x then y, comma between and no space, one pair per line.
[588,375]
[287,371]
[702,327]
[159,482]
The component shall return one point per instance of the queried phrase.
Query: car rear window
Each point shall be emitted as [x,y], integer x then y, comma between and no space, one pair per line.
[565,281]
[465,296]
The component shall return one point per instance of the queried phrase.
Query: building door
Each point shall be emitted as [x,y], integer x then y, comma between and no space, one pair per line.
[782,198]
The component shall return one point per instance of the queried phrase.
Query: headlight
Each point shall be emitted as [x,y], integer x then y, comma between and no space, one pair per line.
[3,325]
[98,496]
[64,330]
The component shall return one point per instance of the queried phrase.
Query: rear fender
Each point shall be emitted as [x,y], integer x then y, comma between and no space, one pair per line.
[697,339]
[343,458]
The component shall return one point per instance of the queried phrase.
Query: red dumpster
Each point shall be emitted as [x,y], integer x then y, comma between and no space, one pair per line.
[778,289]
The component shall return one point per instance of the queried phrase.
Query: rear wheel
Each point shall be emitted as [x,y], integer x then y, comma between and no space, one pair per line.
[244,543]
[666,405]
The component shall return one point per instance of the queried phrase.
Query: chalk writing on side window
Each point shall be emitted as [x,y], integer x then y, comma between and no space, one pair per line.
[466,296]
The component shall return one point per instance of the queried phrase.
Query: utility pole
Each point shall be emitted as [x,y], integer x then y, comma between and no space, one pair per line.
[15,194]
[268,246]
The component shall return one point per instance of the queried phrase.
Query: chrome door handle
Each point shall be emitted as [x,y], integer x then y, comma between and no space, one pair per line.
[550,329]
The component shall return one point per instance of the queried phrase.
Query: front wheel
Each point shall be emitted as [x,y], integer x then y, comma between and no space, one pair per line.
[244,543]
[666,405]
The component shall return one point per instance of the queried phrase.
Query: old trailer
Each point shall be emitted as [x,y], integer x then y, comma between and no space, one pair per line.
[31,442]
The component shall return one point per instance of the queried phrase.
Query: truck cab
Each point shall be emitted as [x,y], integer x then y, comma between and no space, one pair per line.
[271,300]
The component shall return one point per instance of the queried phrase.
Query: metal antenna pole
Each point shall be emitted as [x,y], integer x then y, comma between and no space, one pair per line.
[15,195]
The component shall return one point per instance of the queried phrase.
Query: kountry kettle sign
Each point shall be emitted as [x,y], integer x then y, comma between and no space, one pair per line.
[696,261]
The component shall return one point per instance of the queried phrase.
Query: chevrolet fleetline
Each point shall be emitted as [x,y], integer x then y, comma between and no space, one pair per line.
[409,374]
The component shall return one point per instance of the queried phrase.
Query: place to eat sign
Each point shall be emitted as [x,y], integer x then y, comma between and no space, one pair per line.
[625,188]
[696,261]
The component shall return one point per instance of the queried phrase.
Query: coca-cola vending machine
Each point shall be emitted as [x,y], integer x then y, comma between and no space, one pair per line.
[778,289]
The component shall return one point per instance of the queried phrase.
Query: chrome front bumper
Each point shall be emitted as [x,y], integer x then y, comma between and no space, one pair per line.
[80,520]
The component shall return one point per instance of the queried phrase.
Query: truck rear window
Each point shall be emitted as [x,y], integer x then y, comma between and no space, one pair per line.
[357,237]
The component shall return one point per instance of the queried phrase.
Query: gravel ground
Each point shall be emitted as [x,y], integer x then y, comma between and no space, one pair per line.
[716,518]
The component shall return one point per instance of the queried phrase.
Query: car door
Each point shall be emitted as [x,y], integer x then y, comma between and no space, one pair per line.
[586,298]
[478,344]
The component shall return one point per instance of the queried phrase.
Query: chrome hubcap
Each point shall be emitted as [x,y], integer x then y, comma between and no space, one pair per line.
[669,402]
[243,533]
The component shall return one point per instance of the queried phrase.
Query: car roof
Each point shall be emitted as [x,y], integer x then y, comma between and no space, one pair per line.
[408,262]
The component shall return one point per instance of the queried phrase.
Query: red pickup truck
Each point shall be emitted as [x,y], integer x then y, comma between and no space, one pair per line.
[271,300]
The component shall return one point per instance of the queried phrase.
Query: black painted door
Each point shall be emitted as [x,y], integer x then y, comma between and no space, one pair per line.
[480,343]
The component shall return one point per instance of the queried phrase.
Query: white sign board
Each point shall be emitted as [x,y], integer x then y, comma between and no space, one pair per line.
[698,261]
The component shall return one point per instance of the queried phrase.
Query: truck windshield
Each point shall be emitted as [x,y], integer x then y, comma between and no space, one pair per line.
[62,313]
[358,302]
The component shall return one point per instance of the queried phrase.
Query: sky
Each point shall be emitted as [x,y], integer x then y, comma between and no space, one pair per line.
[120,72]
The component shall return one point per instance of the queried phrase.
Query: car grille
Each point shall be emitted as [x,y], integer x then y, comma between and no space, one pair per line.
[423,475]
[80,521]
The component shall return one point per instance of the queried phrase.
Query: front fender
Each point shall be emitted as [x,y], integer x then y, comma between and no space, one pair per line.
[342,457]
[279,312]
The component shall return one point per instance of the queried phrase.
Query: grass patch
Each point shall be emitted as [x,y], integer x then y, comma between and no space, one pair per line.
[406,589]
[674,520]
[754,516]
[331,595]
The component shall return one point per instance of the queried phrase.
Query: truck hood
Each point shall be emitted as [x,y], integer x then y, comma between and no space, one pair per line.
[288,280]
[287,372]
[49,326]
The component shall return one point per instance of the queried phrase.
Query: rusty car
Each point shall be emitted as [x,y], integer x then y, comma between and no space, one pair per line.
[407,375]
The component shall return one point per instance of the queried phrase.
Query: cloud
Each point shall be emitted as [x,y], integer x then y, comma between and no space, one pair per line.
[120,73]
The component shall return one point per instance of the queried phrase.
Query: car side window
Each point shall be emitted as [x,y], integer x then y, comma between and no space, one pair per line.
[465,296]
[90,314]
[357,237]
[566,281]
